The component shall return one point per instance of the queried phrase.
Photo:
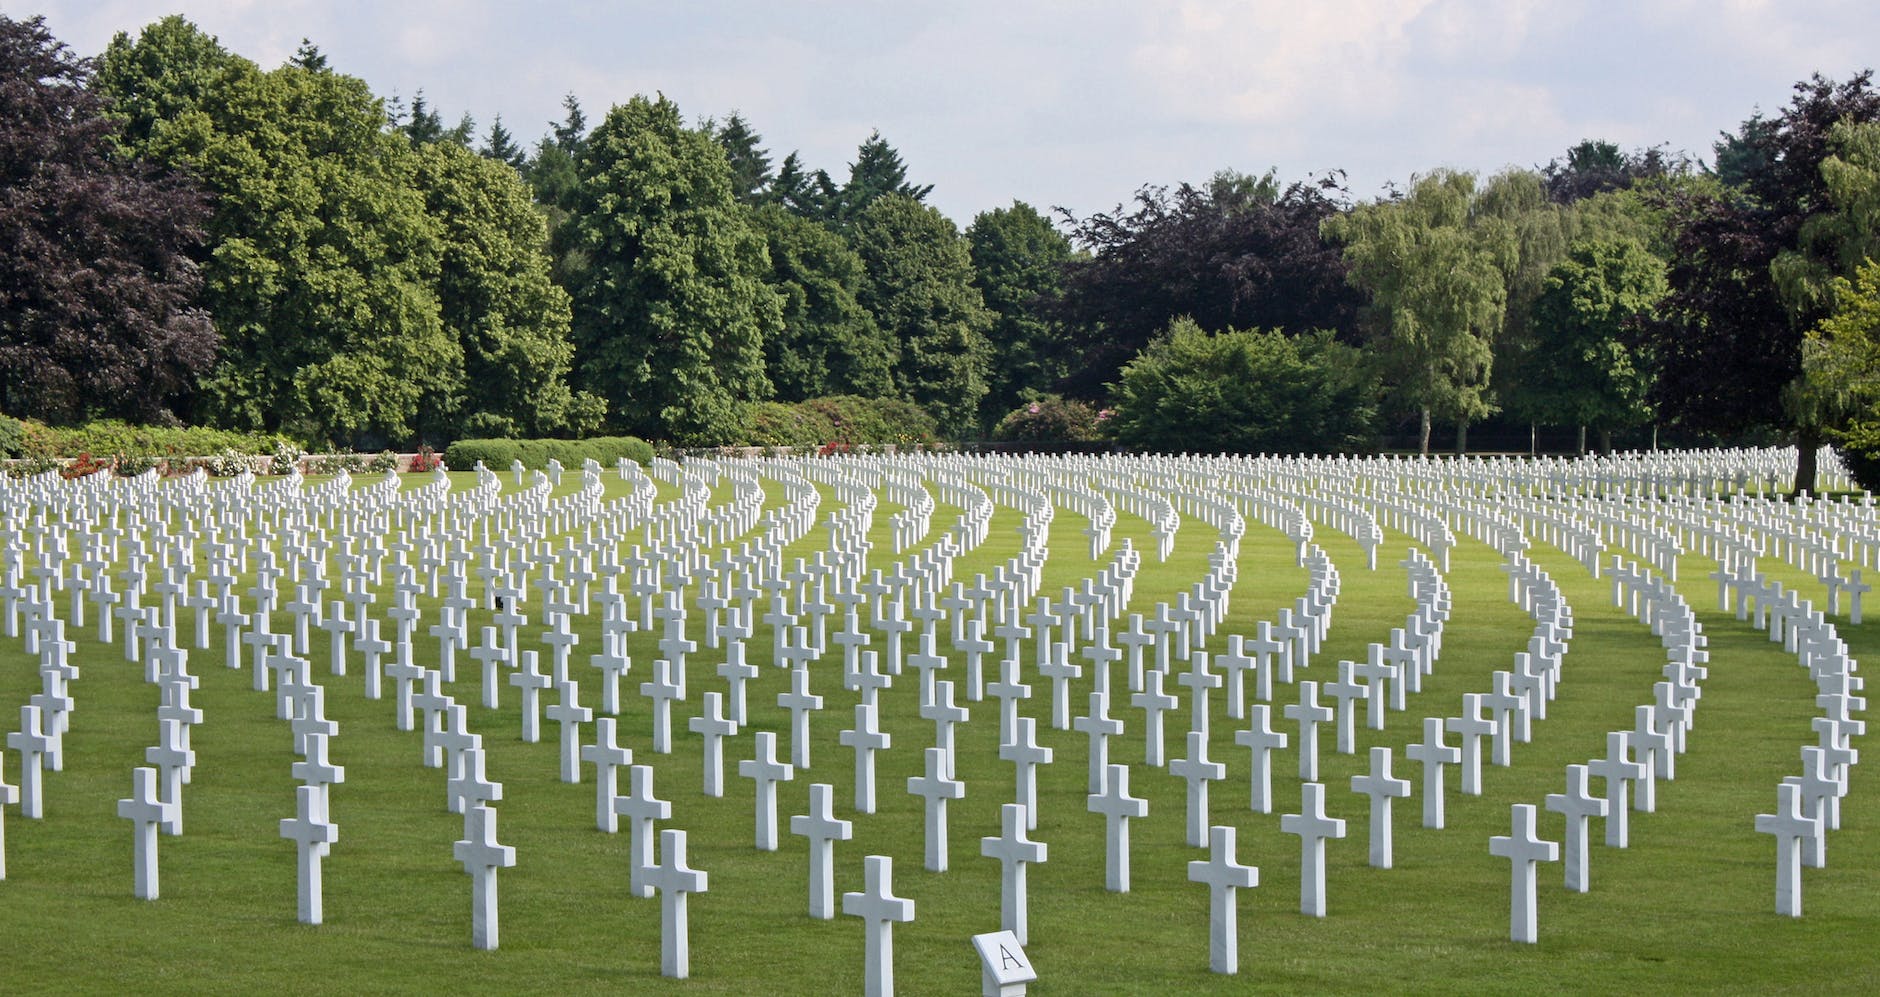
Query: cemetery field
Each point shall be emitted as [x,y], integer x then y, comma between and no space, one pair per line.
[1688,904]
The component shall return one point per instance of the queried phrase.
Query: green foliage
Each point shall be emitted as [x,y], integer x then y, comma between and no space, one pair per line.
[673,307]
[921,291]
[115,437]
[1236,253]
[1245,392]
[1438,292]
[1841,359]
[1596,373]
[877,172]
[779,424]
[323,259]
[495,294]
[1845,232]
[744,153]
[828,343]
[497,455]
[12,437]
[384,460]
[875,420]
[1018,266]
[1052,419]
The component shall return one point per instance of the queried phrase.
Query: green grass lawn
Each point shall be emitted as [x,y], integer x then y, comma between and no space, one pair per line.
[1688,907]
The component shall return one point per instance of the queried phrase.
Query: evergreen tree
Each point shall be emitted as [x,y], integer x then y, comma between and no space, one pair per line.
[795,189]
[501,146]
[425,125]
[877,172]
[308,57]
[750,164]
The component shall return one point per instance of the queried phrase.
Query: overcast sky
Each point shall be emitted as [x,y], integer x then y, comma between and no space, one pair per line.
[1077,104]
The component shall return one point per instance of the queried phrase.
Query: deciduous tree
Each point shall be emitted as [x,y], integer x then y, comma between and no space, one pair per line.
[98,315]
[1019,259]
[672,307]
[1595,371]
[322,260]
[920,289]
[1245,392]
[1438,295]
[828,343]
[1239,253]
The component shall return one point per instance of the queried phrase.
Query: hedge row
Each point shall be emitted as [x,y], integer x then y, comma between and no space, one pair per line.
[497,455]
[111,438]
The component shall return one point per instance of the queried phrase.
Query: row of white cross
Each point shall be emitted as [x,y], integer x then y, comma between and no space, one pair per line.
[836,587]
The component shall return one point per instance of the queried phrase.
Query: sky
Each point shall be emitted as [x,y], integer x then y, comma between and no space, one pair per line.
[1078,103]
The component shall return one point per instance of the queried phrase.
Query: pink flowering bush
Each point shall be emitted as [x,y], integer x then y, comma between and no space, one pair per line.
[1051,419]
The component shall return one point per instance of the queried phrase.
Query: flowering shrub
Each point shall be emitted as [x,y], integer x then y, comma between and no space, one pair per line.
[133,464]
[284,456]
[384,460]
[425,460]
[1052,419]
[228,463]
[83,465]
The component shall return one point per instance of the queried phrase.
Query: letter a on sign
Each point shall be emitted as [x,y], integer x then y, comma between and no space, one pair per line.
[1006,970]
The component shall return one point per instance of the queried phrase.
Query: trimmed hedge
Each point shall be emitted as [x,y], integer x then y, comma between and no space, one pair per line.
[497,454]
[110,437]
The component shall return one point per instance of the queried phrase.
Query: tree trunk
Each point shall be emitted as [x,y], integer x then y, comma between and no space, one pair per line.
[1605,441]
[1807,445]
[1534,435]
[1654,437]
[1582,439]
[1462,438]
[1423,437]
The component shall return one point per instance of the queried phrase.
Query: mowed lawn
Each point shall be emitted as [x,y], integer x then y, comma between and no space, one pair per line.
[1688,907]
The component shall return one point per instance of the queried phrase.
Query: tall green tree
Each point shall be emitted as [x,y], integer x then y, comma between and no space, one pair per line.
[920,289]
[1586,319]
[1018,266]
[877,172]
[497,299]
[828,344]
[1841,357]
[322,259]
[795,187]
[744,152]
[501,146]
[672,310]
[97,287]
[1729,335]
[1438,295]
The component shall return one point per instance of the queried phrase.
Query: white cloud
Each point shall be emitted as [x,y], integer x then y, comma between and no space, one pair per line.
[1078,102]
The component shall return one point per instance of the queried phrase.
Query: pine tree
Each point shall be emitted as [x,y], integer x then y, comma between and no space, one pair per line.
[501,146]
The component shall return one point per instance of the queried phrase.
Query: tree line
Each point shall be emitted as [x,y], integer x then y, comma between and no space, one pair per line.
[193,237]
